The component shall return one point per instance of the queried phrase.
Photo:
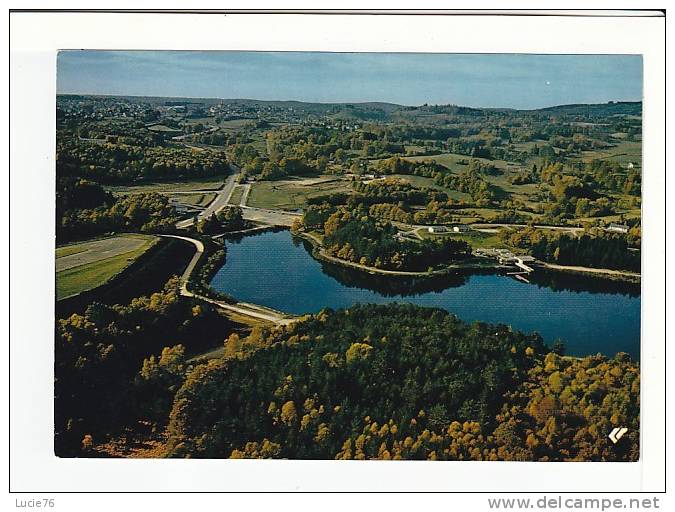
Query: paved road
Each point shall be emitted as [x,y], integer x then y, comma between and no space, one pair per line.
[99,250]
[199,246]
[251,310]
[222,198]
[554,228]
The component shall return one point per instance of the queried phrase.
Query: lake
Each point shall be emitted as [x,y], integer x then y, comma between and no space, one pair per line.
[590,315]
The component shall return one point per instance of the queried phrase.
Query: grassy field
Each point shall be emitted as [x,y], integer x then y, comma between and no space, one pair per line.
[293,194]
[449,160]
[236,124]
[162,128]
[164,187]
[237,193]
[452,162]
[69,250]
[196,199]
[96,272]
[477,239]
[624,152]
[421,182]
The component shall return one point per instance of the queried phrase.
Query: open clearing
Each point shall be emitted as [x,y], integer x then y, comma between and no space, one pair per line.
[197,199]
[85,265]
[477,239]
[424,182]
[625,152]
[162,128]
[165,187]
[293,194]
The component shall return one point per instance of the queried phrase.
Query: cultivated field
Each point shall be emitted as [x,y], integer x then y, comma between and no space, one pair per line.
[86,265]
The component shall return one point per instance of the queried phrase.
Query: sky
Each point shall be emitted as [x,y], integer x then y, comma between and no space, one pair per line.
[492,80]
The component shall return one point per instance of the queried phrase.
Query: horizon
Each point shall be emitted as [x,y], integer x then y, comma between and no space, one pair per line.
[501,81]
[336,102]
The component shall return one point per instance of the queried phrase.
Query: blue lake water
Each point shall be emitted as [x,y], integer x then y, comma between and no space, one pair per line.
[590,315]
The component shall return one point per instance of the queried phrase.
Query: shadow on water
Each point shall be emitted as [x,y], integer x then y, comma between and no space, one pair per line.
[397,286]
[562,282]
[403,286]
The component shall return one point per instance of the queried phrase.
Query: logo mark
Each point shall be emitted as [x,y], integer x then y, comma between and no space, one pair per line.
[617,434]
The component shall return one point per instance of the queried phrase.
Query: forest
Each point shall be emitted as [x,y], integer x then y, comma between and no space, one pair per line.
[99,353]
[403,382]
[597,249]
[84,209]
[110,162]
[358,234]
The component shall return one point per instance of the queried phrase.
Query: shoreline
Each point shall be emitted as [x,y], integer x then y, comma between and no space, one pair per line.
[609,274]
[600,273]
[318,253]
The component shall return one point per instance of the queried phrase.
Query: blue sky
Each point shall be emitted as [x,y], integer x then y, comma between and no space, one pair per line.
[506,80]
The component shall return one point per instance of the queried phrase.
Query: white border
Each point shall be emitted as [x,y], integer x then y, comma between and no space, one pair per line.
[34,39]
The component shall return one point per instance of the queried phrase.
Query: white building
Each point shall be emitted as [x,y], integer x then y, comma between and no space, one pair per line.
[617,228]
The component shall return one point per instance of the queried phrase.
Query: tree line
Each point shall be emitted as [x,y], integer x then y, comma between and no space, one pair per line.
[84,209]
[121,163]
[595,248]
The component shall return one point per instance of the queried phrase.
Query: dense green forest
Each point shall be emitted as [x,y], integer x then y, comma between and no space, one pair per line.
[597,249]
[111,162]
[403,382]
[84,209]
[98,354]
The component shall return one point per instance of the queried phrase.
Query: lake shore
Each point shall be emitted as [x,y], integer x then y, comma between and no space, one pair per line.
[279,271]
[602,273]
[319,252]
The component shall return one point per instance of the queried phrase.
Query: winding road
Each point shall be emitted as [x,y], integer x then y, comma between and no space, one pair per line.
[242,308]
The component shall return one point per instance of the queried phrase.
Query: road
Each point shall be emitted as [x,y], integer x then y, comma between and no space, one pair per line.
[490,227]
[571,229]
[222,198]
[242,308]
[199,246]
